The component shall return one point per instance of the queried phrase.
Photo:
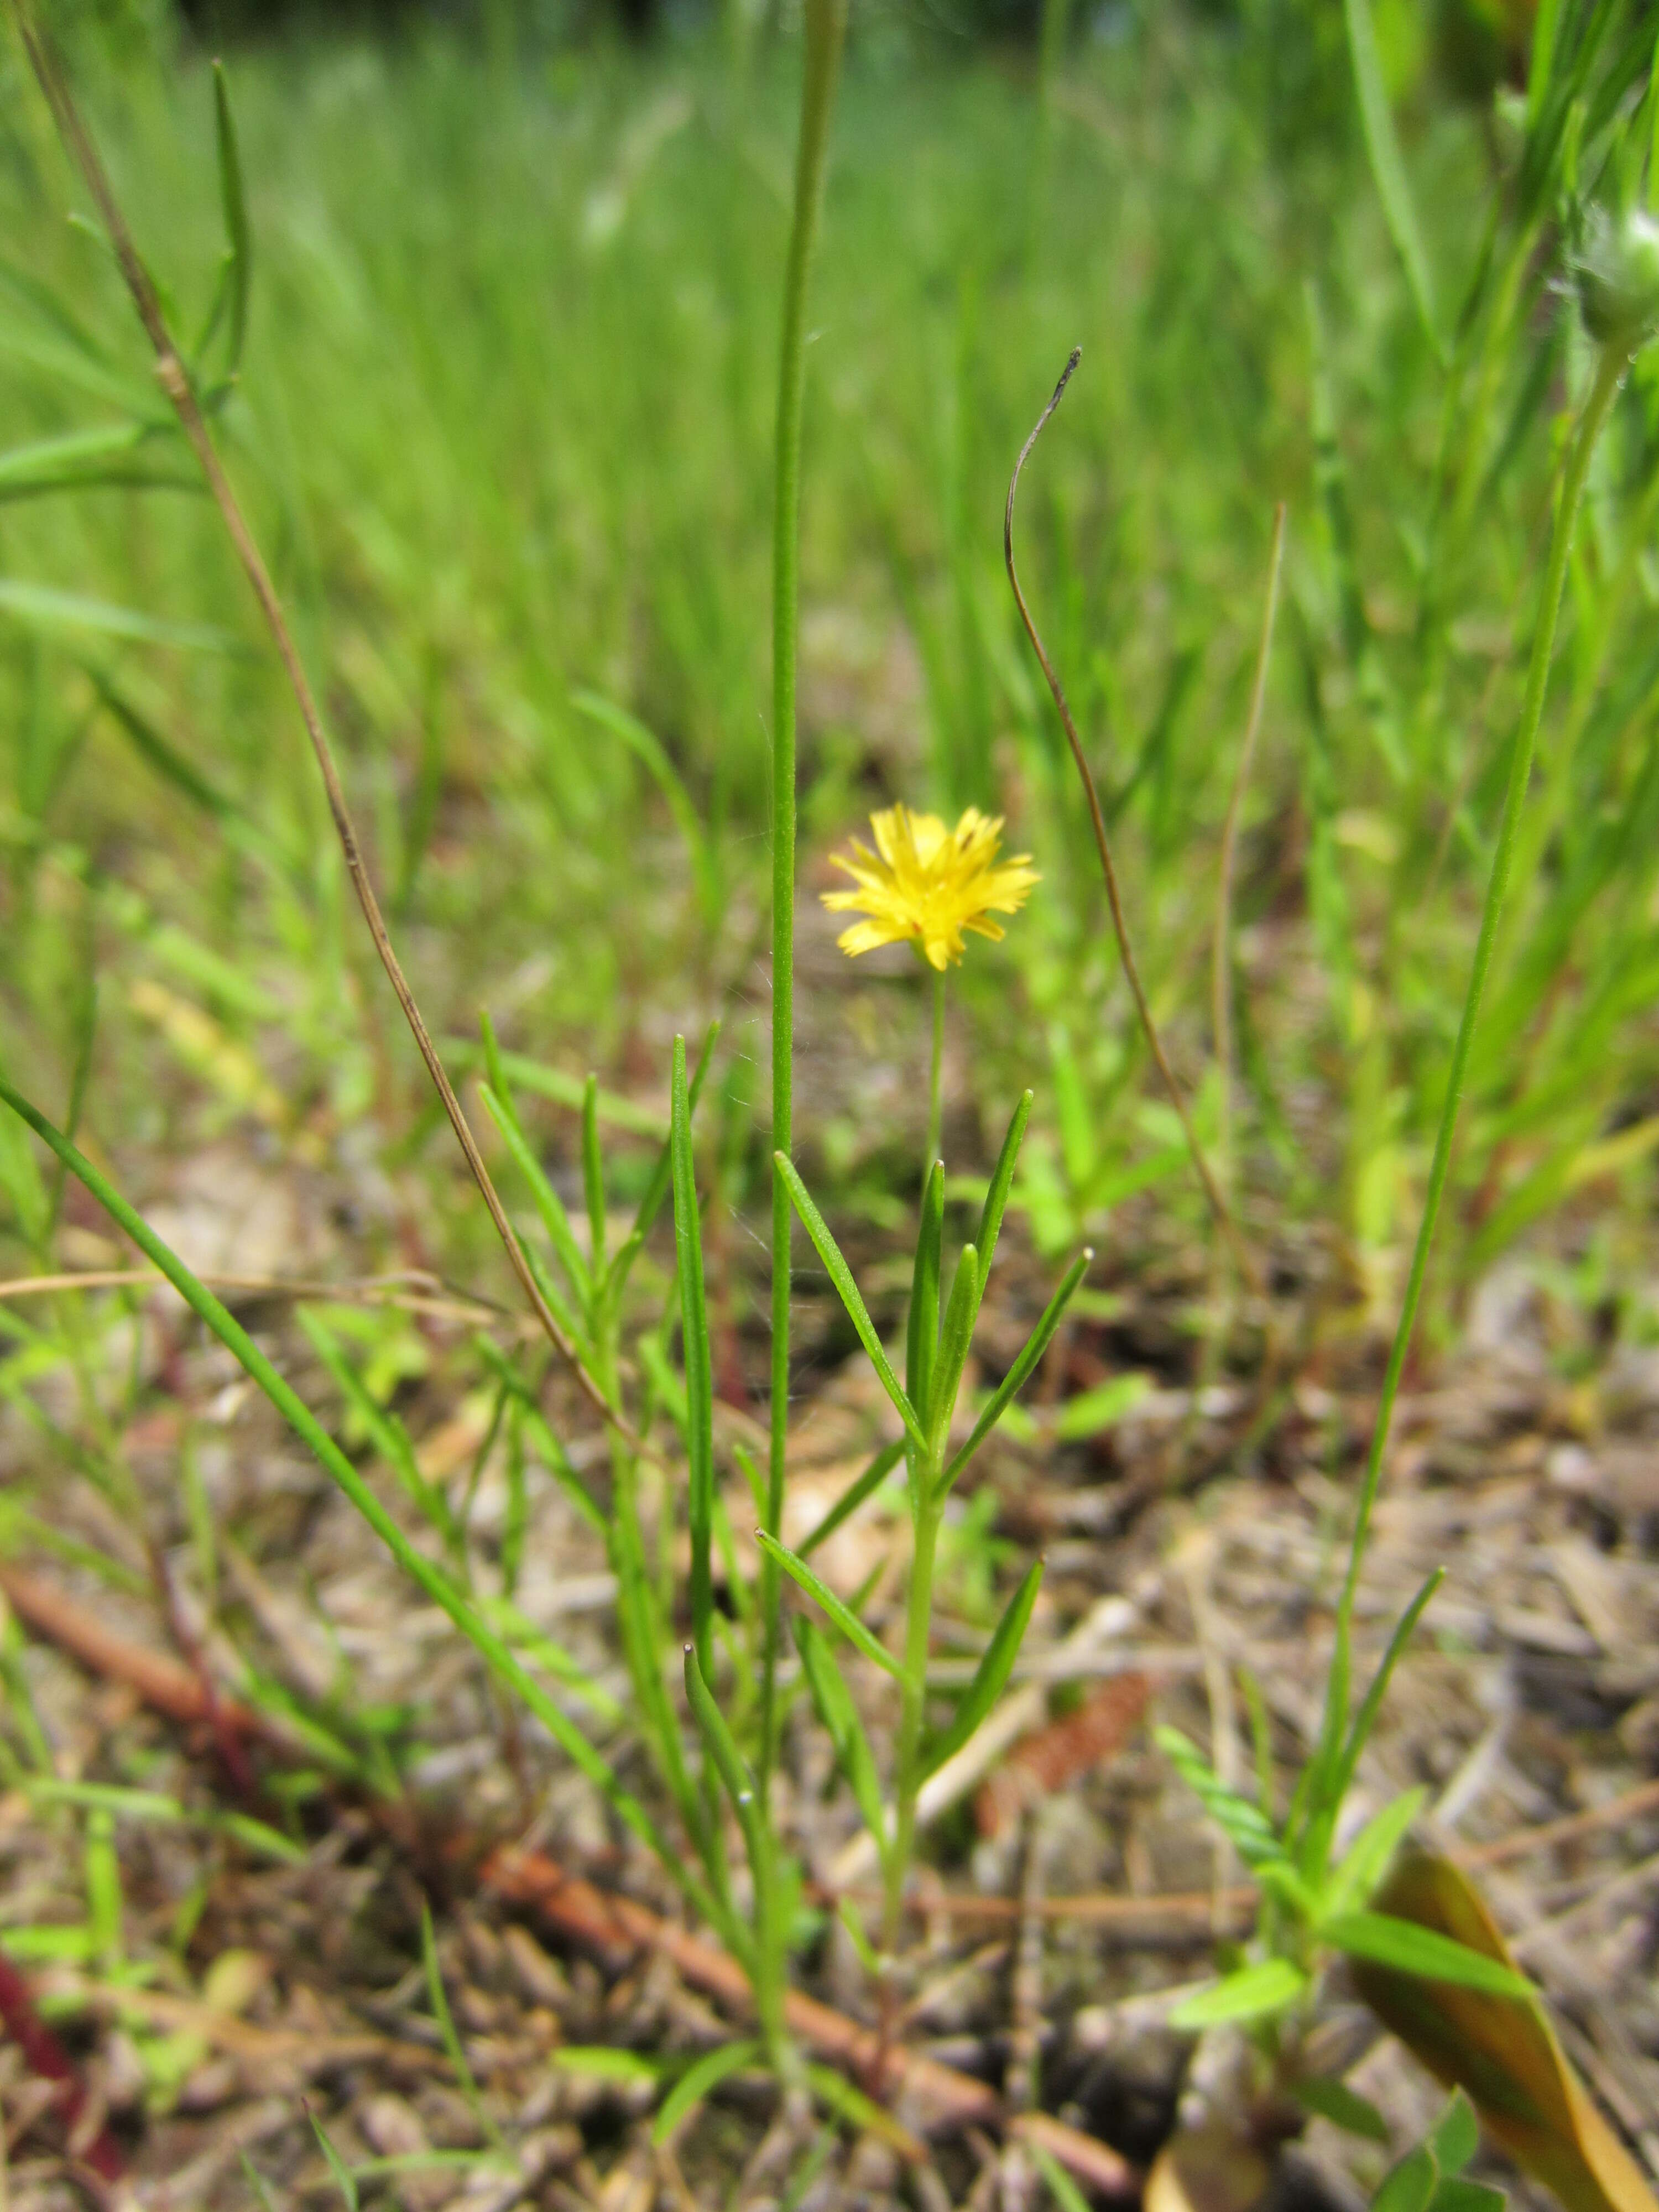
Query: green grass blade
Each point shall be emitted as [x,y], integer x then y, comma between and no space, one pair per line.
[699,1367]
[1331,1770]
[991,1675]
[1249,1994]
[630,1115]
[438,1998]
[343,2179]
[699,2081]
[921,1328]
[593,1179]
[841,1276]
[1366,1859]
[1401,1944]
[1060,2186]
[549,1204]
[954,1340]
[821,1594]
[996,1197]
[233,199]
[389,1438]
[862,1486]
[436,1584]
[657,1189]
[1020,1373]
[42,607]
[840,1715]
[648,749]
[1388,168]
[729,1762]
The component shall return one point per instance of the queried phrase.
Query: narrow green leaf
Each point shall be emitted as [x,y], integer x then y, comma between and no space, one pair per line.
[841,1724]
[436,1584]
[1410,1949]
[233,198]
[46,608]
[728,1761]
[594,1178]
[921,1328]
[549,1204]
[1092,1412]
[388,1435]
[991,1675]
[1343,2107]
[996,1197]
[438,1998]
[698,1364]
[606,2062]
[1366,1860]
[1060,2186]
[821,1594]
[544,1082]
[862,1486]
[838,2095]
[646,748]
[657,1189]
[700,2079]
[257,2182]
[841,1276]
[344,2180]
[1020,1373]
[1365,1719]
[1388,169]
[954,1340]
[1269,1986]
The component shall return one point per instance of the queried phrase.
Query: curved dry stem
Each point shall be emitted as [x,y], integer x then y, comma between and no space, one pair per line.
[1219,1204]
[175,380]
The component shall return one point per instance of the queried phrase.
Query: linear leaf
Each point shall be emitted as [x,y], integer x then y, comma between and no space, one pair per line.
[1343,2107]
[1245,1825]
[991,1675]
[996,1197]
[1020,1373]
[1386,1942]
[1366,1860]
[698,1364]
[1388,169]
[955,1338]
[1268,1986]
[657,1189]
[233,199]
[821,1594]
[862,1486]
[841,1724]
[700,2079]
[46,608]
[921,1327]
[841,1276]
[549,1204]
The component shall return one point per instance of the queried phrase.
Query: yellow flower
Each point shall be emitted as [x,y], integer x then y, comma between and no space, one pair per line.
[928,885]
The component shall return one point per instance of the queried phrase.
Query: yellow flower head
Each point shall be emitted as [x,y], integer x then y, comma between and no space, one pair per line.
[928,885]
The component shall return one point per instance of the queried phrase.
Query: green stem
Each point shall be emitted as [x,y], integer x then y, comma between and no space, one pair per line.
[1609,374]
[935,1099]
[826,24]
[927,1511]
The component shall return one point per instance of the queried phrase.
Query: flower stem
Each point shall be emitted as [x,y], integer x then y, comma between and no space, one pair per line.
[935,1102]
[826,24]
[1609,374]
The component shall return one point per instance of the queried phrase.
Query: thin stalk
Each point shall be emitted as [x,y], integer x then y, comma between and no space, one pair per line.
[826,24]
[935,1098]
[1218,1206]
[1610,370]
[927,1511]
[1221,978]
[174,380]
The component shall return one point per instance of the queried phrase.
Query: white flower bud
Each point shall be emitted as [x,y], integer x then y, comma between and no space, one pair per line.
[1617,269]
